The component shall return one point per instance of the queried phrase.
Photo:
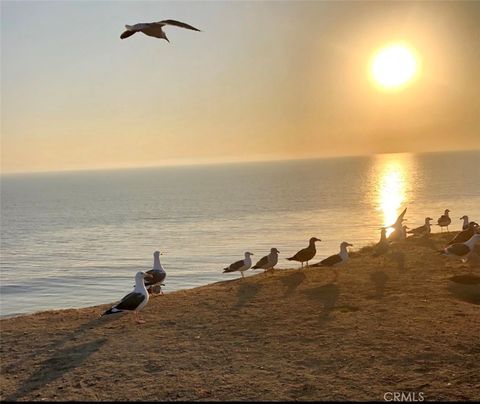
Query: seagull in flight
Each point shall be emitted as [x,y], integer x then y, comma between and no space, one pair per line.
[154,28]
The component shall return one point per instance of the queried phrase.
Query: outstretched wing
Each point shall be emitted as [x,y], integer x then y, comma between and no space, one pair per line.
[178,24]
[127,33]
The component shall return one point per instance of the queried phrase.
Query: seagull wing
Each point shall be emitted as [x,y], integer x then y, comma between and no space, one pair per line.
[130,301]
[154,29]
[462,237]
[417,230]
[177,24]
[330,261]
[458,249]
[235,266]
[261,263]
[157,277]
[127,33]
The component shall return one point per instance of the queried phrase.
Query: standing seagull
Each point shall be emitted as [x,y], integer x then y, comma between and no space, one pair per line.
[465,222]
[241,265]
[422,231]
[154,28]
[306,254]
[382,246]
[134,301]
[158,275]
[336,259]
[444,220]
[462,250]
[268,262]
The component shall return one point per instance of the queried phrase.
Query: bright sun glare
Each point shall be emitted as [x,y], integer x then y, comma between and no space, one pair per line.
[394,65]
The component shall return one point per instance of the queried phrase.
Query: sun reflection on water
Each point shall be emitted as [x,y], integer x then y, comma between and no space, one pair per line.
[392,184]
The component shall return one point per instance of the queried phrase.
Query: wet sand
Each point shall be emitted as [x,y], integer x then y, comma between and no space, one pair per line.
[405,322]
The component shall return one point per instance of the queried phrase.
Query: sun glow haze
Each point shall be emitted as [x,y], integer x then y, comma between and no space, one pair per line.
[394,66]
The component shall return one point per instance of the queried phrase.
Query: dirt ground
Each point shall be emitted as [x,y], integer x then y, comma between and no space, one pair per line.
[405,322]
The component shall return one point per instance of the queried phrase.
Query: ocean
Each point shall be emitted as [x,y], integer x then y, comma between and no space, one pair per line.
[75,239]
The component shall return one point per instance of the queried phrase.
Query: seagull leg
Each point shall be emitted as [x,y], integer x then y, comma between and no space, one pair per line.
[242,274]
[138,320]
[307,265]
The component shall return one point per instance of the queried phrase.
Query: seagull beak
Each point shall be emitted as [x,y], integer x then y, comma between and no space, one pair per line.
[148,276]
[351,245]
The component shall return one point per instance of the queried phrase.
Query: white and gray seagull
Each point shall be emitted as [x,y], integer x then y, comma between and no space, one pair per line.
[154,28]
[241,265]
[462,250]
[134,301]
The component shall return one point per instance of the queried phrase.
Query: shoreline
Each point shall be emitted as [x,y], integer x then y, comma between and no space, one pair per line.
[406,321]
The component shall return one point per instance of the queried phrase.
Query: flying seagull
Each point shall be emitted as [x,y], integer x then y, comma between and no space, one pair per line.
[336,259]
[462,250]
[307,253]
[444,220]
[154,28]
[158,275]
[268,262]
[134,301]
[241,265]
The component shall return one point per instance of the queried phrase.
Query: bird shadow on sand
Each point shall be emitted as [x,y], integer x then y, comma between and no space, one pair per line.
[67,355]
[292,282]
[398,257]
[326,296]
[246,292]
[56,366]
[379,279]
[465,288]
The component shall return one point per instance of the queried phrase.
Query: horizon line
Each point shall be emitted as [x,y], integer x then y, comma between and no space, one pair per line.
[180,163]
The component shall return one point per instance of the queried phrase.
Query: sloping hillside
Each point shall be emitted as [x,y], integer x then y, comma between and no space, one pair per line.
[407,321]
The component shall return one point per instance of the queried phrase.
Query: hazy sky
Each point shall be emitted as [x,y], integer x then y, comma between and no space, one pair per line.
[264,80]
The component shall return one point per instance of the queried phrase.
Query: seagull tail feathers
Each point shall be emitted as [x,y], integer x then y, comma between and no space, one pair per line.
[111,311]
[291,258]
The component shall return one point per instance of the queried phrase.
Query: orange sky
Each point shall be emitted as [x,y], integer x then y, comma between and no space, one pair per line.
[264,80]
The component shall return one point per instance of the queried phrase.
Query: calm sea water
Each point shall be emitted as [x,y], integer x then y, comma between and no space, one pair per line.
[77,239]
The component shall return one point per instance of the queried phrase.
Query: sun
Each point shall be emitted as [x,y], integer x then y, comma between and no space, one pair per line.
[394,66]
